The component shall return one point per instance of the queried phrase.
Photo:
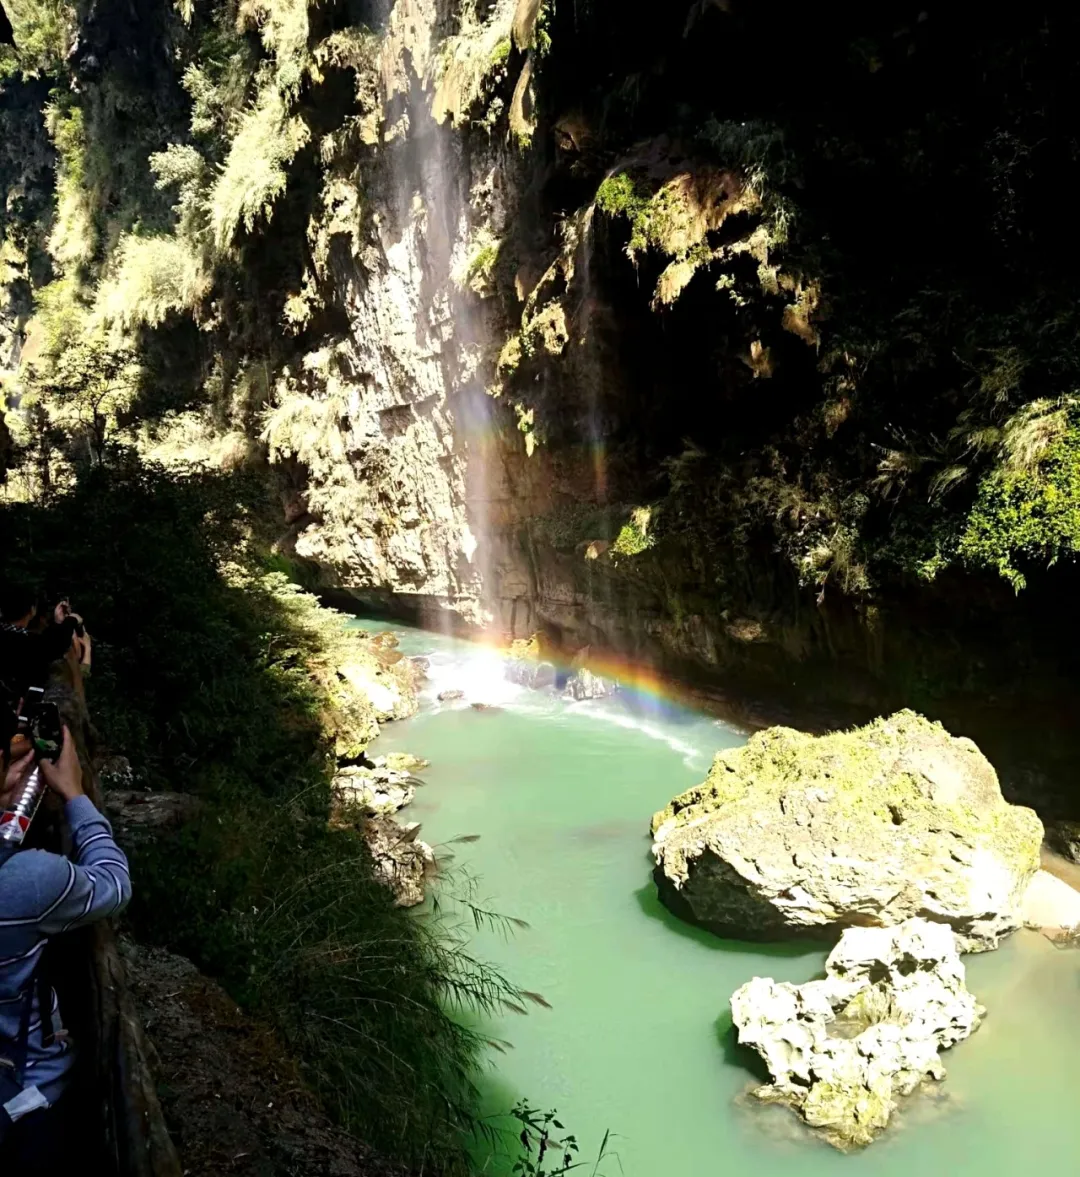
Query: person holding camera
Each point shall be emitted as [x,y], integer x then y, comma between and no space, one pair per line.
[27,652]
[42,895]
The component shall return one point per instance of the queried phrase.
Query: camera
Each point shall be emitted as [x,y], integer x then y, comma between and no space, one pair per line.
[36,723]
[64,603]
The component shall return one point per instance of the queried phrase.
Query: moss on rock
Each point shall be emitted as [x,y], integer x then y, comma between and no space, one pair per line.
[867,827]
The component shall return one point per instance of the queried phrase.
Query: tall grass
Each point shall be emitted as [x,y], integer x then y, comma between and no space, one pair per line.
[203,680]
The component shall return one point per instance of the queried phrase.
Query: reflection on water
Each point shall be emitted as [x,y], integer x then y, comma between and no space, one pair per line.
[638,1039]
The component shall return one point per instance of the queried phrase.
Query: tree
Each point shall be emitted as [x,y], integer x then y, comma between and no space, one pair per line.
[85,392]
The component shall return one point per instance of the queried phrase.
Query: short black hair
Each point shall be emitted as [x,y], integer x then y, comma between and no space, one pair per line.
[17,598]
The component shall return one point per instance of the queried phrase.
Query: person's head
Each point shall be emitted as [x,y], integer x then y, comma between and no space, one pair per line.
[18,603]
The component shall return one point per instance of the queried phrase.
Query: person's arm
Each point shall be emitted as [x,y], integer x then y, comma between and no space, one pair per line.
[55,640]
[95,883]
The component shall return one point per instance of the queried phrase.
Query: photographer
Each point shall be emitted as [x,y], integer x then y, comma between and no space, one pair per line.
[41,895]
[27,653]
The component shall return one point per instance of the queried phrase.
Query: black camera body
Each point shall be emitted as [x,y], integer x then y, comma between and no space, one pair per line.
[37,722]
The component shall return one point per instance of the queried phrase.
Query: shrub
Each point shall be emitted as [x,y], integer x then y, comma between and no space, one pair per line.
[1027,514]
[43,30]
[634,537]
[254,174]
[206,677]
[154,275]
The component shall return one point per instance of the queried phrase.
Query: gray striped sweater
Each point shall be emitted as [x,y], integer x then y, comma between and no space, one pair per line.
[42,895]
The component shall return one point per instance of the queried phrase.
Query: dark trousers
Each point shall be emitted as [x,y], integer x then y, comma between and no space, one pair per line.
[39,1145]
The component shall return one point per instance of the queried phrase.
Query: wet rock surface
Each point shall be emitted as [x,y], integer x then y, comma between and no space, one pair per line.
[583,684]
[1051,905]
[537,676]
[800,835]
[843,1050]
[1063,837]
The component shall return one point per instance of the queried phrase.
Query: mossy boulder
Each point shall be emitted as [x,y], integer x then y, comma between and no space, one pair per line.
[806,835]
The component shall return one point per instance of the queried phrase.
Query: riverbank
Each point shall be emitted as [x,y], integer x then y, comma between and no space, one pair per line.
[217,680]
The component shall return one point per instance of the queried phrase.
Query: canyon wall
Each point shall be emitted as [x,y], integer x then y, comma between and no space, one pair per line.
[736,342]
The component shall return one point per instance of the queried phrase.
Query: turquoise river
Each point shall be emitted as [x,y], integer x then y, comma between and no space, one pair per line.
[638,1039]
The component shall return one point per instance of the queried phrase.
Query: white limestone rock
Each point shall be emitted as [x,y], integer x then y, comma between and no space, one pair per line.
[843,1050]
[376,791]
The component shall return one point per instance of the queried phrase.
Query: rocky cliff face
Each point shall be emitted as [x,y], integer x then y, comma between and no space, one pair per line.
[537,328]
[399,500]
[594,378]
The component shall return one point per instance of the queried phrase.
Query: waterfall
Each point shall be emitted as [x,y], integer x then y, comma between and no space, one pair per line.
[427,179]
[593,419]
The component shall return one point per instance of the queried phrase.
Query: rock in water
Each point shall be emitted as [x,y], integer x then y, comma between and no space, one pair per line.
[583,684]
[401,860]
[1051,905]
[842,1050]
[402,762]
[537,676]
[803,835]
[377,790]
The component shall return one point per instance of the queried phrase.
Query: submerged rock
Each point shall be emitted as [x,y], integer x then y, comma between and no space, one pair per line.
[583,684]
[450,696]
[802,835]
[402,762]
[537,676]
[842,1050]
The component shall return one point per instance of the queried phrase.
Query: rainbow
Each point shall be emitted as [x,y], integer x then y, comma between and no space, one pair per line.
[635,678]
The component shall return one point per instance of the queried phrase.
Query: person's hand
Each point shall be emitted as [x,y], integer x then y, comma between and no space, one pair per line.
[65,776]
[14,777]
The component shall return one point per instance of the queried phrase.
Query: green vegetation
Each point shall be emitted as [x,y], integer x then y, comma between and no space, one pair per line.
[548,1149]
[43,32]
[1029,514]
[501,53]
[619,196]
[220,680]
[254,174]
[634,536]
[478,272]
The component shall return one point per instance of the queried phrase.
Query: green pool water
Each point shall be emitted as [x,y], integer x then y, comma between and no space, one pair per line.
[638,1037]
